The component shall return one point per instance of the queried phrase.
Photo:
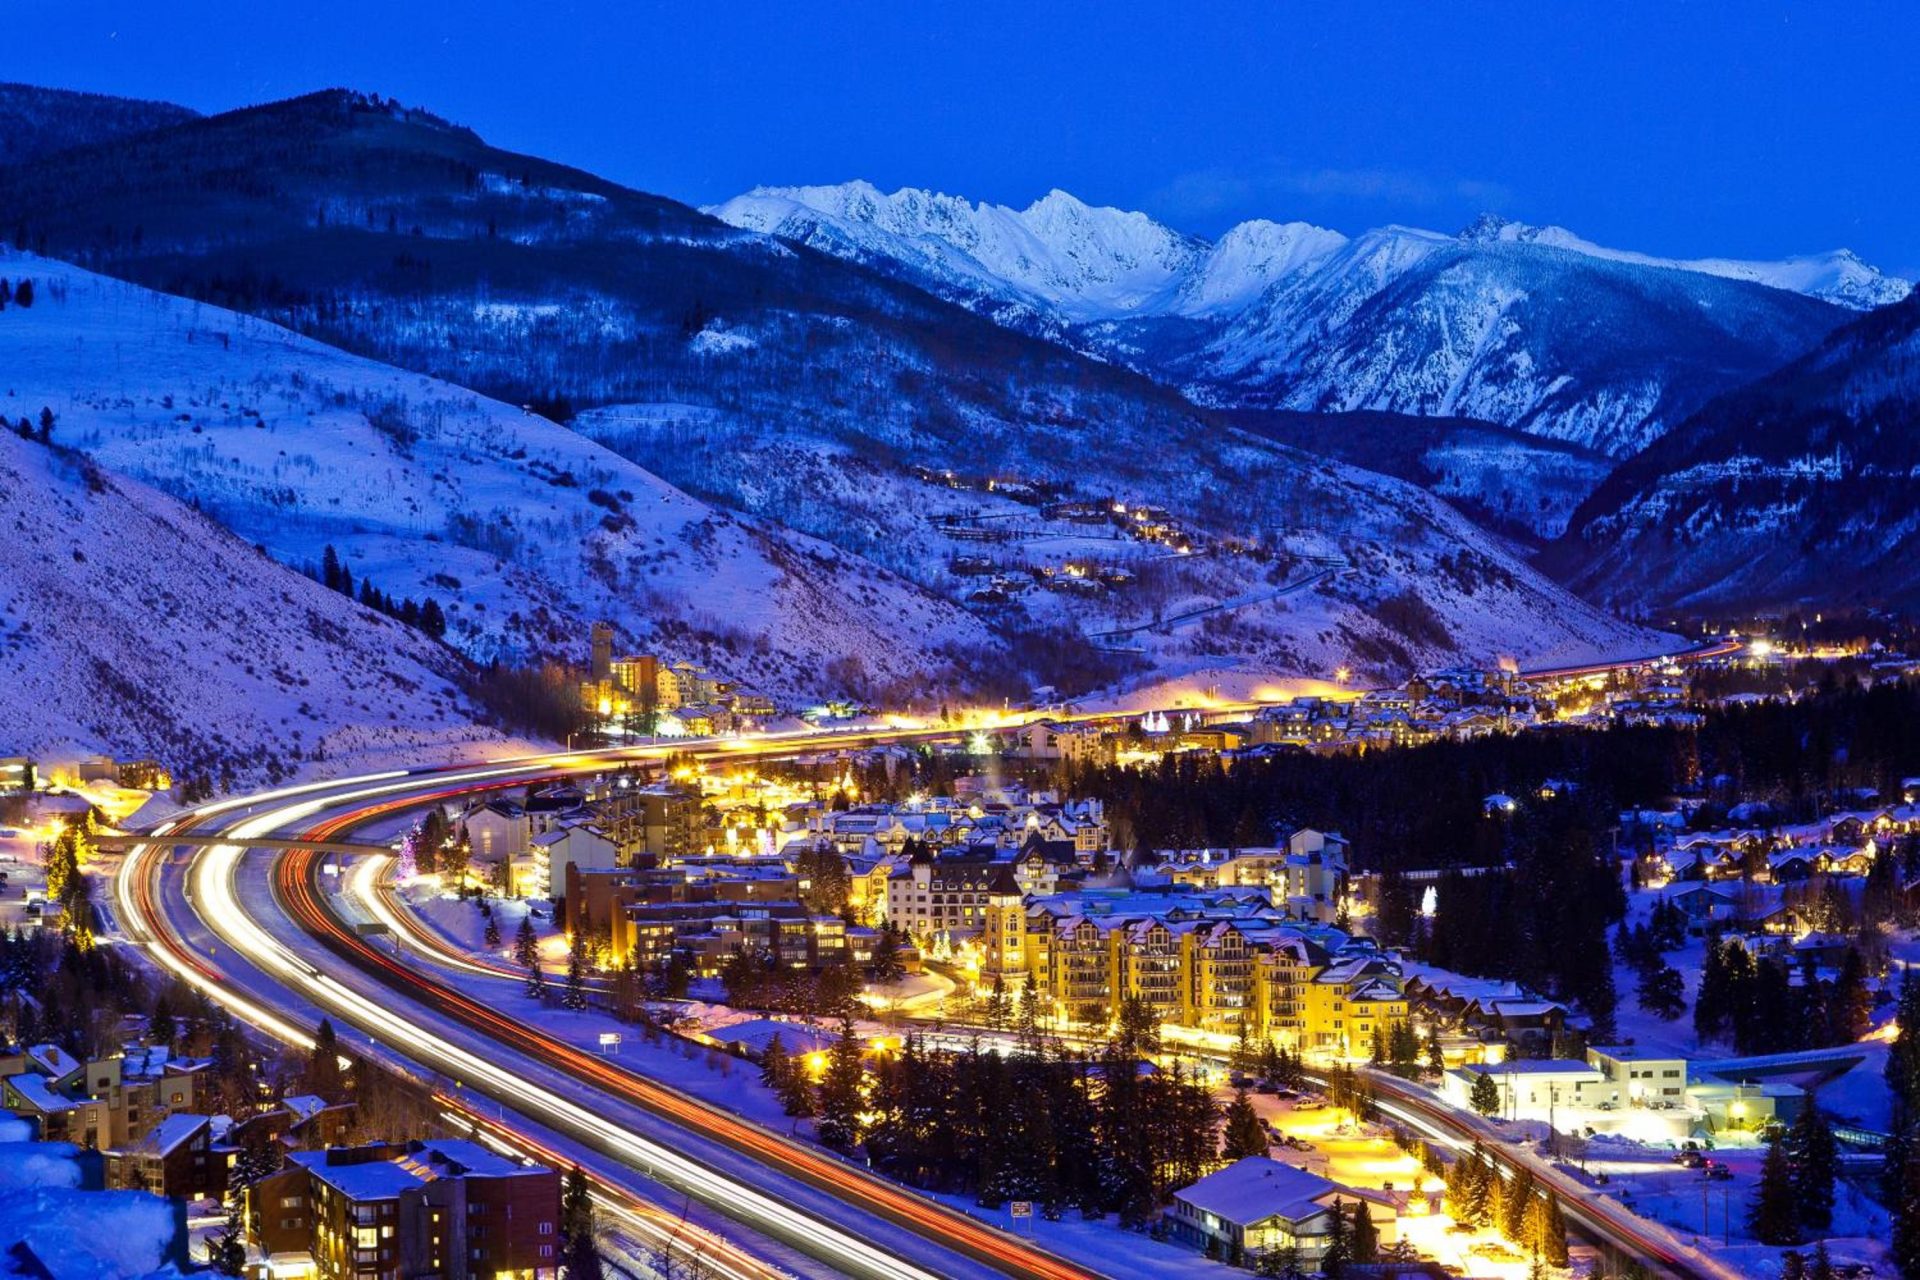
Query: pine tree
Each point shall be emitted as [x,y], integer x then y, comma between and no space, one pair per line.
[492,935]
[1516,1204]
[1851,1008]
[227,1250]
[1822,1268]
[1027,1019]
[1905,1203]
[775,1064]
[161,1025]
[536,982]
[1772,1217]
[1365,1245]
[581,1259]
[842,1090]
[1339,1249]
[330,568]
[1662,992]
[1553,1233]
[1244,1135]
[1484,1097]
[574,997]
[1474,1209]
[1813,1163]
[887,965]
[526,943]
[1436,1059]
[998,1006]
[796,1091]
[323,1064]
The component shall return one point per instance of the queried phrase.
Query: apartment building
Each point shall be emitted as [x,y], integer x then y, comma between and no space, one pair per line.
[1212,962]
[103,1104]
[447,1209]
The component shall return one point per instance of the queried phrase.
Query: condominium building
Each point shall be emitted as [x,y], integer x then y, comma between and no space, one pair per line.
[447,1209]
[1217,962]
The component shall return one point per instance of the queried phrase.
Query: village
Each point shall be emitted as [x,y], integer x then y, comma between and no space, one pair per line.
[978,891]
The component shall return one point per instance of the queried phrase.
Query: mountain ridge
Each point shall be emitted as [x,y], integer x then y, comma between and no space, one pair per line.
[1794,489]
[1396,319]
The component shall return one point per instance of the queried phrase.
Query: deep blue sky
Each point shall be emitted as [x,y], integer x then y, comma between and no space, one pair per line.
[1755,129]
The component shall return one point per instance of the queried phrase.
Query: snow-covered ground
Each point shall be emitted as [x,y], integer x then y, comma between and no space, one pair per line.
[133,626]
[522,530]
[75,1234]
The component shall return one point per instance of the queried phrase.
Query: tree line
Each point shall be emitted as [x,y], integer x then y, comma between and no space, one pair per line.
[425,617]
[1099,1133]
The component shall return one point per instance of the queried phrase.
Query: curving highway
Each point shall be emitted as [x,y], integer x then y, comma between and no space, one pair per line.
[828,1209]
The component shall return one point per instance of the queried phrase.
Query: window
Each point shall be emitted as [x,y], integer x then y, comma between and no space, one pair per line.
[546,1228]
[546,1251]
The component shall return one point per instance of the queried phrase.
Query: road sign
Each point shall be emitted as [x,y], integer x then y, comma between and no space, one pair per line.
[1022,1208]
[609,1042]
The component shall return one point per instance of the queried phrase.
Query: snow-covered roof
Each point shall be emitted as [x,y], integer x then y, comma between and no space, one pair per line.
[304,1105]
[1257,1188]
[1535,1067]
[166,1136]
[35,1092]
[54,1061]
[362,1180]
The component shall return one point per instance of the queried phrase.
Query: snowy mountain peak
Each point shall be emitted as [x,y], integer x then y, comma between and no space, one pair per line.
[1249,259]
[1081,261]
[1838,276]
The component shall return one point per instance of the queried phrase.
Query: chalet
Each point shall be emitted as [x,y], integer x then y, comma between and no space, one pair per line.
[1703,906]
[1258,1205]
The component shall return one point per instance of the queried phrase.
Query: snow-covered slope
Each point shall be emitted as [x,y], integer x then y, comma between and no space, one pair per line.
[131,625]
[1299,565]
[1838,276]
[1798,489]
[752,372]
[523,531]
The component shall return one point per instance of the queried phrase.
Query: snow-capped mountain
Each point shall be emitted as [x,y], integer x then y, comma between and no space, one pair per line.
[131,625]
[1797,489]
[1532,328]
[1602,354]
[1839,276]
[1059,254]
[522,531]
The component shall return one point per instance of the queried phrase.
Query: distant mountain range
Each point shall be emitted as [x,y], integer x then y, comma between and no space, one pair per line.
[772,408]
[1525,327]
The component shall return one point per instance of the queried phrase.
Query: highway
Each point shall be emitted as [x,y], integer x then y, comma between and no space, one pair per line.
[177,895]
[955,1244]
[1601,1218]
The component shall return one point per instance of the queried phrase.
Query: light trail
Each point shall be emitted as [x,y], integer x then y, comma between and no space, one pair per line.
[214,874]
